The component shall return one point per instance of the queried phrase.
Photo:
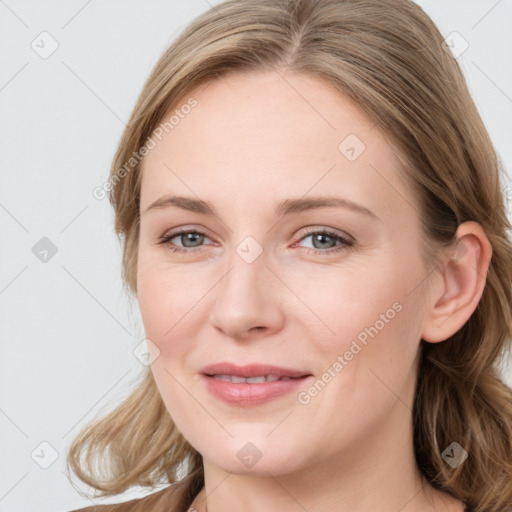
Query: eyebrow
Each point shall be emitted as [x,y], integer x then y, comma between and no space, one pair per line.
[286,207]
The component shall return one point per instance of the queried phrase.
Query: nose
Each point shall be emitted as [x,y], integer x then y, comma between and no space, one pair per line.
[249,299]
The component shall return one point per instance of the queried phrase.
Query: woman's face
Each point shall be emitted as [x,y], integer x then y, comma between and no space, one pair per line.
[261,285]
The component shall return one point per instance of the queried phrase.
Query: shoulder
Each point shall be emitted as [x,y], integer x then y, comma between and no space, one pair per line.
[173,498]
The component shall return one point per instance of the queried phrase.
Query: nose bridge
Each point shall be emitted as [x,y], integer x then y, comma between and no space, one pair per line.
[244,296]
[246,267]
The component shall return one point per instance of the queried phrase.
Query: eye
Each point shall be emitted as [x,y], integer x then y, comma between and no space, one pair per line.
[191,240]
[325,238]
[188,236]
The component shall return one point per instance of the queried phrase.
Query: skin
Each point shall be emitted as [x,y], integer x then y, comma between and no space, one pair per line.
[252,141]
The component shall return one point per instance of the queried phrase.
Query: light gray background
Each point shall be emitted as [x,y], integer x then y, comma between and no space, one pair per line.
[67,331]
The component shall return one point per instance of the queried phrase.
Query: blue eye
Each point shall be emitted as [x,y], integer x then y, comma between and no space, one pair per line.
[322,235]
[183,234]
[194,236]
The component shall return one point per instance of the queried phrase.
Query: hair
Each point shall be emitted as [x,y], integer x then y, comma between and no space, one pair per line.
[388,57]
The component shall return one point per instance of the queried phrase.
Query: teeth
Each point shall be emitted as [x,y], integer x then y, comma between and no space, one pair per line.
[226,378]
[250,380]
[253,380]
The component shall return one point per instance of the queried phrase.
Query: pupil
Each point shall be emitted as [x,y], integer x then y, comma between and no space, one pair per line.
[319,238]
[187,238]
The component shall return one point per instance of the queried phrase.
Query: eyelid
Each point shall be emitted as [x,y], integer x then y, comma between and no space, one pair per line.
[310,230]
[171,233]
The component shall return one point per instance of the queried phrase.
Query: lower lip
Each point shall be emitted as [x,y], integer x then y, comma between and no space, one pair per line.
[251,394]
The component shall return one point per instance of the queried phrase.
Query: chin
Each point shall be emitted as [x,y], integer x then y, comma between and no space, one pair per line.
[258,457]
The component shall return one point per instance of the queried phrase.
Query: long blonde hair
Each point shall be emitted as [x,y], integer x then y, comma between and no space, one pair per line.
[389,58]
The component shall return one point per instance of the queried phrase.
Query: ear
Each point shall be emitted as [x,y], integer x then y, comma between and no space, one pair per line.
[462,283]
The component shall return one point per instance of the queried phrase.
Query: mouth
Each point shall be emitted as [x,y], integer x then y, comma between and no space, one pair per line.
[231,372]
[251,385]
[236,379]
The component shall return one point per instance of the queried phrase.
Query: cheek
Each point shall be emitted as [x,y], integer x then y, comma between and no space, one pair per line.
[370,360]
[174,303]
[153,301]
[351,303]
[374,321]
[166,301]
[167,311]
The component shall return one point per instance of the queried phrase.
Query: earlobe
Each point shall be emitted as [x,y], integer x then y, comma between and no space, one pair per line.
[463,282]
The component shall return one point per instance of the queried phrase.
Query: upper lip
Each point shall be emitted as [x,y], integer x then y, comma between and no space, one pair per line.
[251,370]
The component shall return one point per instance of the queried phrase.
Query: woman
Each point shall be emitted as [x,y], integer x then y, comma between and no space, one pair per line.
[285,374]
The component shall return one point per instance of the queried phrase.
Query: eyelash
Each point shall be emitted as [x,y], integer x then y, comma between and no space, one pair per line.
[344,245]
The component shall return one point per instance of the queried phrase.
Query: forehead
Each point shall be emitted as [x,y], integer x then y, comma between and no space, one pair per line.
[274,134]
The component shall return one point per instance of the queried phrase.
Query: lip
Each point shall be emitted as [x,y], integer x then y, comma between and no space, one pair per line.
[251,370]
[251,394]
